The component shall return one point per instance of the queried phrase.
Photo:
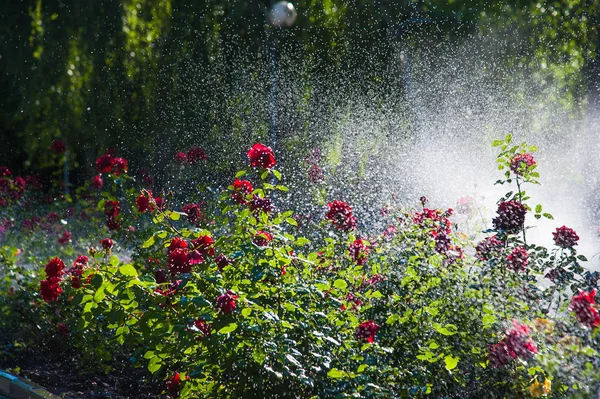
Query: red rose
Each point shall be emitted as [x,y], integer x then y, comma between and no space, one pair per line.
[107,243]
[54,268]
[178,261]
[583,306]
[204,245]
[517,260]
[226,302]
[340,214]
[177,243]
[160,276]
[50,289]
[202,327]
[104,163]
[4,171]
[119,165]
[565,237]
[81,261]
[261,155]
[97,182]
[143,201]
[174,384]
[160,203]
[112,208]
[367,330]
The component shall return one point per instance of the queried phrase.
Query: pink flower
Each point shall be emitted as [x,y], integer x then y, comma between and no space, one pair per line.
[516,343]
[315,173]
[518,260]
[226,302]
[261,155]
[583,306]
[522,163]
[565,237]
[366,331]
[340,214]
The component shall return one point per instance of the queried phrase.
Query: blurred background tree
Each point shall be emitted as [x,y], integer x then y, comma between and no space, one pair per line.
[151,77]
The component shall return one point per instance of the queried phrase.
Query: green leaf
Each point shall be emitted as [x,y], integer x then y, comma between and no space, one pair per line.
[538,208]
[174,216]
[240,173]
[291,221]
[148,243]
[548,216]
[340,284]
[155,364]
[259,355]
[114,261]
[128,270]
[497,143]
[277,174]
[488,319]
[228,328]
[451,362]
[264,175]
[508,138]
[282,188]
[335,373]
[246,312]
[448,329]
[361,368]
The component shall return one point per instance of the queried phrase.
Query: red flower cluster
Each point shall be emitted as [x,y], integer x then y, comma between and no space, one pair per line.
[178,260]
[226,302]
[10,190]
[511,217]
[50,287]
[522,163]
[193,213]
[58,147]
[146,202]
[261,156]
[112,210]
[340,214]
[584,307]
[192,156]
[262,238]
[358,252]
[442,241]
[366,331]
[517,260]
[261,204]
[108,163]
[76,271]
[241,188]
[488,248]
[516,343]
[565,237]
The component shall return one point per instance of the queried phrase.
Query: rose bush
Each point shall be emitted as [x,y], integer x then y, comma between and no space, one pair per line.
[235,298]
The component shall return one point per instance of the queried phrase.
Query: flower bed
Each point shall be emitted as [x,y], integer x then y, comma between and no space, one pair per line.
[238,298]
